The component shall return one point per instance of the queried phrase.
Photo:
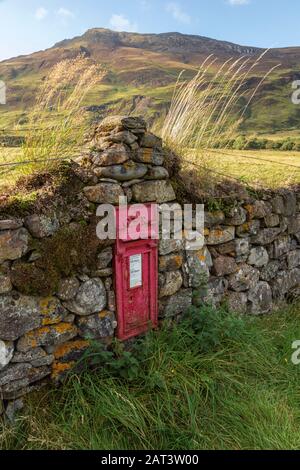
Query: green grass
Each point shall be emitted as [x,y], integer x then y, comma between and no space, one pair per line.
[215,381]
[266,168]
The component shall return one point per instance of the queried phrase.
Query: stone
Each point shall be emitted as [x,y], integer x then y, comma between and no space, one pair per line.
[213,218]
[41,226]
[236,216]
[36,357]
[128,184]
[265,236]
[104,193]
[224,265]
[97,326]
[220,235]
[285,204]
[114,155]
[12,410]
[237,302]
[14,372]
[258,257]
[104,259]
[272,220]
[269,271]
[215,291]
[171,262]
[248,228]
[244,279]
[260,298]
[151,141]
[196,268]
[236,248]
[5,284]
[70,351]
[157,173]
[34,256]
[170,283]
[111,301]
[90,298]
[51,310]
[149,156]
[10,224]
[123,137]
[68,288]
[178,303]
[281,246]
[6,353]
[277,204]
[123,122]
[103,272]
[129,171]
[18,314]
[153,191]
[284,282]
[293,224]
[257,210]
[293,259]
[47,336]
[13,244]
[290,203]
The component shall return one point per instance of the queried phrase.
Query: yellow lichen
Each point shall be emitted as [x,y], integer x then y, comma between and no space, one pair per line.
[59,368]
[66,348]
[63,328]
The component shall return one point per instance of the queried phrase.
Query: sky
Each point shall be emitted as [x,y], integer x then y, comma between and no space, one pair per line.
[31,25]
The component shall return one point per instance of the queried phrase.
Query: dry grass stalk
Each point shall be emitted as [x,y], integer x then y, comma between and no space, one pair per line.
[205,110]
[57,122]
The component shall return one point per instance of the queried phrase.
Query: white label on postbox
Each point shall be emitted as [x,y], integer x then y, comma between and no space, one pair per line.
[135,262]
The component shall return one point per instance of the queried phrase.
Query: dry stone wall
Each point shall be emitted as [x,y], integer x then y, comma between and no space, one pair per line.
[251,260]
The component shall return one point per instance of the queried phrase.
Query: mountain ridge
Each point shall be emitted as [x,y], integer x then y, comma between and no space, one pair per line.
[143,68]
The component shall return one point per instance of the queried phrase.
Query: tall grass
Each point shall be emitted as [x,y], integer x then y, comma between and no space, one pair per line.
[57,122]
[216,381]
[207,110]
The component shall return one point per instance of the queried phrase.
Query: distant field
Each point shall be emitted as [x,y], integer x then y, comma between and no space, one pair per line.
[8,175]
[268,168]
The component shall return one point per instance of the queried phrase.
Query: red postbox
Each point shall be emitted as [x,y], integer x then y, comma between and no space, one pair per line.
[136,271]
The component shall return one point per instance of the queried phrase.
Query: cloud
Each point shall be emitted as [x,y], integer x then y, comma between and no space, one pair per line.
[65,13]
[238,2]
[121,23]
[178,13]
[41,13]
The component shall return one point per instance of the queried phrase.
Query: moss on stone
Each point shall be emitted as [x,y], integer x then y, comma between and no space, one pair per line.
[62,255]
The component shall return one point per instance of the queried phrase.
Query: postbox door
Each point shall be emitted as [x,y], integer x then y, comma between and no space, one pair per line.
[136,288]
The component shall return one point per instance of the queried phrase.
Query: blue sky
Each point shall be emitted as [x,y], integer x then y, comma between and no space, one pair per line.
[30,25]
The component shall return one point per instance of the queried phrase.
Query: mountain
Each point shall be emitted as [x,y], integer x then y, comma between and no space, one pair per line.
[142,69]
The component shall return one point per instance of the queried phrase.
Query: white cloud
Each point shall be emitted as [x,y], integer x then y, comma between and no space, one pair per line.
[41,13]
[238,2]
[121,23]
[65,13]
[178,13]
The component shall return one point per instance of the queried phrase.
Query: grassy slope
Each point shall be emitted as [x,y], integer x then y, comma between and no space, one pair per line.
[225,383]
[148,66]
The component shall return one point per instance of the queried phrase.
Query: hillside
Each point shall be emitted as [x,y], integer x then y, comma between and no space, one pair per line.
[141,72]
